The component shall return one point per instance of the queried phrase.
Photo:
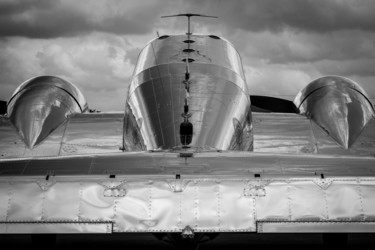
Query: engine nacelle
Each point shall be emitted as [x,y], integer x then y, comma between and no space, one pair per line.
[338,105]
[41,104]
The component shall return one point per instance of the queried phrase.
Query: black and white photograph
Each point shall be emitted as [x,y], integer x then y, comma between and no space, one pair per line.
[187,124]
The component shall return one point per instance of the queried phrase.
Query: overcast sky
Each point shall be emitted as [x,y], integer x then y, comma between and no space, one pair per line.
[284,44]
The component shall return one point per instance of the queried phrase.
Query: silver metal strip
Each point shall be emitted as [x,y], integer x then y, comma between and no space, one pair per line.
[55,227]
[315,227]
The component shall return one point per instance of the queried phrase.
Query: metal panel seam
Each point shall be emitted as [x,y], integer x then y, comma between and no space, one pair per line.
[9,200]
[150,200]
[196,205]
[218,203]
[80,200]
[43,203]
[114,226]
[363,216]
[254,208]
[314,140]
[180,211]
[289,200]
[63,135]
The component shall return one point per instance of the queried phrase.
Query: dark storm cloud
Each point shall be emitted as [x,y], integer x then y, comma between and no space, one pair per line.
[8,8]
[306,15]
[50,19]
[95,43]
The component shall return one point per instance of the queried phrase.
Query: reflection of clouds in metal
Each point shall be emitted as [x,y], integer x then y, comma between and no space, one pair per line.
[194,55]
[41,104]
[171,48]
[217,92]
[337,105]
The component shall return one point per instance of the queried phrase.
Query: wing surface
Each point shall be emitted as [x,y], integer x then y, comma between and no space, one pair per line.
[167,192]
[297,134]
[88,133]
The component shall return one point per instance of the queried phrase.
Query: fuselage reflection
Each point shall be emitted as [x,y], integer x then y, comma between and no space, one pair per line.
[218,100]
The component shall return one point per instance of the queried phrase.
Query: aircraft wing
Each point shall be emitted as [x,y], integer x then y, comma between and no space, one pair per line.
[297,134]
[297,179]
[167,192]
[179,159]
[79,134]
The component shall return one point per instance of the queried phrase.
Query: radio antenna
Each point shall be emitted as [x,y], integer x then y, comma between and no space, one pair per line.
[188,15]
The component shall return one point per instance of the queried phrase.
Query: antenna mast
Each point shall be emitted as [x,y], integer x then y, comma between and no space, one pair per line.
[188,15]
[186,127]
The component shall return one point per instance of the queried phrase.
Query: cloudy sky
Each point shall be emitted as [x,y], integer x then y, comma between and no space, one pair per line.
[284,44]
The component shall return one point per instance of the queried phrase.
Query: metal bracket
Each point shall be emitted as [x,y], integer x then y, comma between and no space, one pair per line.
[255,188]
[46,184]
[114,189]
[177,185]
[187,232]
[323,183]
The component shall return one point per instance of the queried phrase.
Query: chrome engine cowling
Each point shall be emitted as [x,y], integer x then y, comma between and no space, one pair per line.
[41,104]
[189,91]
[338,105]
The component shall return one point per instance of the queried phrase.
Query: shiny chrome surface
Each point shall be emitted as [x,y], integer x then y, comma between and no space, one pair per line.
[98,133]
[218,99]
[315,227]
[159,164]
[338,105]
[207,50]
[296,134]
[88,133]
[70,88]
[228,204]
[90,185]
[56,227]
[41,104]
[282,133]
[92,134]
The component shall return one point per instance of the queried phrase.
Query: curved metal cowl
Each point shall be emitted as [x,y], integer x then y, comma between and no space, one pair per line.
[338,105]
[41,104]
[216,102]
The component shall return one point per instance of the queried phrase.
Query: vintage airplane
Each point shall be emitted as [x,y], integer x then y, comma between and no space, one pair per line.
[192,154]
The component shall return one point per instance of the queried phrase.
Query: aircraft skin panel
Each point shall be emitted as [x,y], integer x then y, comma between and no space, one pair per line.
[11,144]
[220,204]
[297,134]
[282,133]
[364,144]
[79,134]
[92,134]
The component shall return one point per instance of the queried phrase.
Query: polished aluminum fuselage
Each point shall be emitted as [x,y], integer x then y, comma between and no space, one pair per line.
[63,170]
[218,99]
